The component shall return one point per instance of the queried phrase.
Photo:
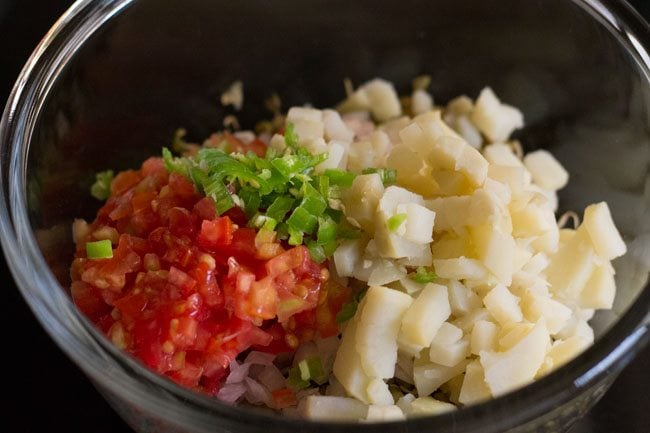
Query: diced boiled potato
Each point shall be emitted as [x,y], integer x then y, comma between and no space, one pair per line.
[502,154]
[382,99]
[473,165]
[381,146]
[335,128]
[419,222]
[448,348]
[555,313]
[425,315]
[461,299]
[380,315]
[329,408]
[451,212]
[392,245]
[495,119]
[563,351]
[347,365]
[337,156]
[385,272]
[404,403]
[548,242]
[307,123]
[474,389]
[362,198]
[503,305]
[412,171]
[571,267]
[512,333]
[506,371]
[451,153]
[485,207]
[422,258]
[428,376]
[384,413]
[605,238]
[348,256]
[496,250]
[547,172]
[409,286]
[459,268]
[513,176]
[421,101]
[469,132]
[532,220]
[378,393]
[449,246]
[500,190]
[522,255]
[428,406]
[452,183]
[600,290]
[394,196]
[484,337]
[536,264]
[461,105]
[357,101]
[361,155]
[392,128]
[466,322]
[433,125]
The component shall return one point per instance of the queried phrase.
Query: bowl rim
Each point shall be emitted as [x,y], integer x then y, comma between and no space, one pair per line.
[125,377]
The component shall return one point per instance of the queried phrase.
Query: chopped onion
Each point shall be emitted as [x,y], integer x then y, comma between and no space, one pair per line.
[256,393]
[259,358]
[271,377]
[238,372]
[230,393]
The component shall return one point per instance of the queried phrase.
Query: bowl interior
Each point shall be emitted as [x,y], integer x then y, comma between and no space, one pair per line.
[161,65]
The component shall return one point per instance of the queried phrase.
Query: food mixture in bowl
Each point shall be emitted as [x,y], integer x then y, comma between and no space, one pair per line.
[386,259]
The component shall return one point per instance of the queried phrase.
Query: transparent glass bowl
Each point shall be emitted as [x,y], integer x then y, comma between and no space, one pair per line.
[113,79]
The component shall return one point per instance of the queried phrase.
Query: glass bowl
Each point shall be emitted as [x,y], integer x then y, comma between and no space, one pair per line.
[113,79]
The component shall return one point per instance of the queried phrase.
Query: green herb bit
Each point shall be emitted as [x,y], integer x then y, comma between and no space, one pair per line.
[290,136]
[99,249]
[326,230]
[101,189]
[312,369]
[340,177]
[423,275]
[302,220]
[388,175]
[280,207]
[295,380]
[396,221]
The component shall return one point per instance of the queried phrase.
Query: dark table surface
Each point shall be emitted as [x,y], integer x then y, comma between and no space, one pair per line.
[56,394]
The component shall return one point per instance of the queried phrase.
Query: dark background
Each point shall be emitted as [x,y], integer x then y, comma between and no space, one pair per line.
[44,391]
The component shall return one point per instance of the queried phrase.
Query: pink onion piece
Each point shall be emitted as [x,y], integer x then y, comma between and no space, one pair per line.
[230,393]
[257,393]
[271,378]
[259,358]
[237,372]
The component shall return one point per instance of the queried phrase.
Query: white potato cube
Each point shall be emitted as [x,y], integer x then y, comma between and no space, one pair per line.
[385,272]
[571,267]
[494,119]
[600,289]
[604,235]
[512,333]
[421,102]
[547,172]
[564,351]
[382,99]
[535,307]
[469,132]
[419,222]
[362,198]
[506,371]
[328,408]
[428,406]
[447,347]
[425,315]
[484,337]
[513,176]
[474,389]
[384,413]
[380,316]
[459,268]
[378,393]
[461,299]
[503,305]
[335,128]
[337,156]
[347,365]
[496,250]
[451,212]
[361,155]
[348,256]
[307,123]
[428,376]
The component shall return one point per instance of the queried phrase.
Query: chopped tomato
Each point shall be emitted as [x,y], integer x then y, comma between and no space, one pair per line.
[187,291]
